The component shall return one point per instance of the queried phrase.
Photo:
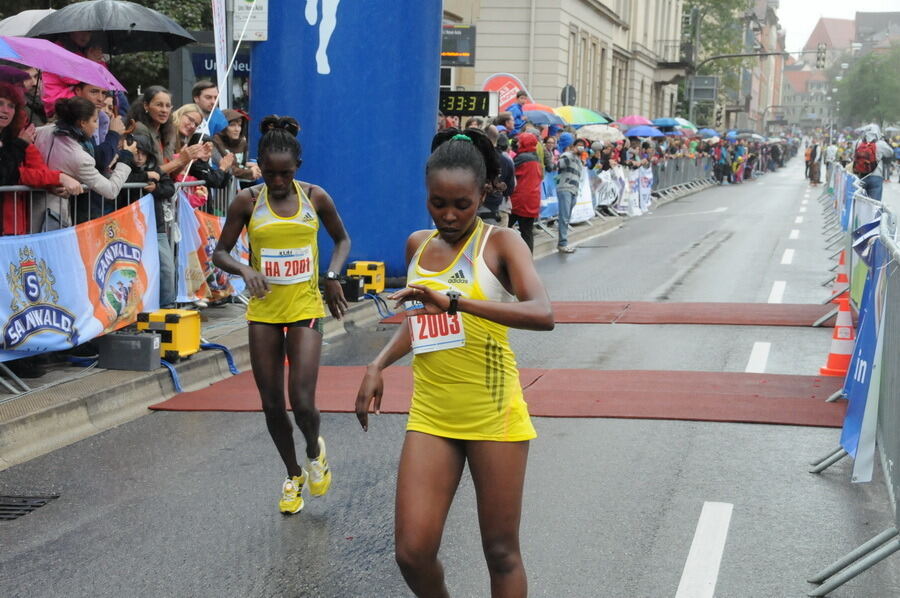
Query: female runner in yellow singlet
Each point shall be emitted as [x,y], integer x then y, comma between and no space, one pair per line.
[474,281]
[285,312]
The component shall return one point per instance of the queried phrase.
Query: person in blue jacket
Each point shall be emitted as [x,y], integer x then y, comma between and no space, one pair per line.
[516,110]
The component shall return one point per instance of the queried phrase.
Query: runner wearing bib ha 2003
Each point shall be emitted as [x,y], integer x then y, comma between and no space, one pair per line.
[285,311]
[468,283]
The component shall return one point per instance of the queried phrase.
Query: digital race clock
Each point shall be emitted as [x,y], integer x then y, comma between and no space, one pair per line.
[468,103]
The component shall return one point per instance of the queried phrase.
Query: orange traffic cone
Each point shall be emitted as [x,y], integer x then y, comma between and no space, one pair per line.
[842,281]
[842,341]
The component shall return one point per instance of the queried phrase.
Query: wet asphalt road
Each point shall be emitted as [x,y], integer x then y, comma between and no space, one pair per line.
[183,504]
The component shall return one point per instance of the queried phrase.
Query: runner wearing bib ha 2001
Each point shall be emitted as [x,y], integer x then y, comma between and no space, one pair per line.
[284,251]
[466,381]
[285,311]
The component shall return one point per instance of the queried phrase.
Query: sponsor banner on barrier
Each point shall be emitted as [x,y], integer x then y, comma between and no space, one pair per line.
[583,210]
[68,286]
[846,200]
[605,190]
[198,278]
[645,186]
[864,212]
[862,363]
[549,202]
[864,463]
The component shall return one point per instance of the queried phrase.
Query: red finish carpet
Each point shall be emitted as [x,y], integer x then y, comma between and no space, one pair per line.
[649,312]
[634,394]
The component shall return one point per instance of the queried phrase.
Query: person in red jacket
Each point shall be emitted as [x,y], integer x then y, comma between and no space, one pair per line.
[22,164]
[526,199]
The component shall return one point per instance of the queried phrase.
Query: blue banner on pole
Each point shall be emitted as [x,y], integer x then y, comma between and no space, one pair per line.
[859,374]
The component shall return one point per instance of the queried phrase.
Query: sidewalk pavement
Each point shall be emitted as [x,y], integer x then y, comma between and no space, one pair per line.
[71,403]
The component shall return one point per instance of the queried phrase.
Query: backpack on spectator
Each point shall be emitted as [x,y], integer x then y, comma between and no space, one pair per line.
[864,158]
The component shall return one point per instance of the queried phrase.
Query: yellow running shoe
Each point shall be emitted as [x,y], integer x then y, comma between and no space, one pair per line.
[291,495]
[318,472]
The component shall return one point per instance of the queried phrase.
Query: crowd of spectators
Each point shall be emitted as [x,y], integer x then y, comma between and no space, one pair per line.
[78,145]
[528,151]
[59,132]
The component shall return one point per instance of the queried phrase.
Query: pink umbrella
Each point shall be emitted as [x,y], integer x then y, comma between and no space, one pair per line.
[635,120]
[47,56]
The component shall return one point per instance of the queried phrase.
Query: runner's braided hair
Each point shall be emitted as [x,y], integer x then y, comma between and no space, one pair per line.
[279,135]
[470,149]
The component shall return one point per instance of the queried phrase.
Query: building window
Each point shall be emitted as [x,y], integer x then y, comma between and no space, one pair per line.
[584,81]
[601,81]
[573,56]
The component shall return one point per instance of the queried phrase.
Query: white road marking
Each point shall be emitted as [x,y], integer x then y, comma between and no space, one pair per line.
[716,211]
[759,355]
[798,220]
[777,293]
[802,209]
[701,570]
[804,202]
[795,234]
[788,257]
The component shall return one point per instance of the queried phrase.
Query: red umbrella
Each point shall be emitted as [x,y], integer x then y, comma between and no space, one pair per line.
[539,107]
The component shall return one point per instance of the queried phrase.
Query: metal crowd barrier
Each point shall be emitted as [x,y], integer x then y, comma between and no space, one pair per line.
[887,426]
[681,171]
[40,210]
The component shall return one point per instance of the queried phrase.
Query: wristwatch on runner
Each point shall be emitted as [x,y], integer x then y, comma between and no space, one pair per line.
[454,302]
[332,275]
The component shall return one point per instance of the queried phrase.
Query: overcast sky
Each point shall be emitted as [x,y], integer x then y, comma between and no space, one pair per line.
[799,17]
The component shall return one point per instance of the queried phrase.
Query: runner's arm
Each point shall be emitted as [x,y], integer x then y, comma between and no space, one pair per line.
[372,385]
[532,311]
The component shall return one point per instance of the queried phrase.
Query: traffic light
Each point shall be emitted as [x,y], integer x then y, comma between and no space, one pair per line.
[821,50]
[720,117]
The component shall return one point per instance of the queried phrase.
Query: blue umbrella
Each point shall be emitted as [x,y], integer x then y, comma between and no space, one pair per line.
[541,118]
[665,122]
[732,134]
[644,131]
[708,133]
[7,53]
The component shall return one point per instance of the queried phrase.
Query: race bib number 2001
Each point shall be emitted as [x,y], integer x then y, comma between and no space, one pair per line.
[436,332]
[286,266]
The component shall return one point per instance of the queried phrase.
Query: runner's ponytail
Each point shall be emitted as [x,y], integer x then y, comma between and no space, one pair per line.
[279,135]
[470,149]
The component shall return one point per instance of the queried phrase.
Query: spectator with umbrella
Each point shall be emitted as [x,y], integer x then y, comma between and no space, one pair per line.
[22,164]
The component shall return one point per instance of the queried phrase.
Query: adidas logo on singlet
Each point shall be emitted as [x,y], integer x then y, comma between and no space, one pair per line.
[308,217]
[458,278]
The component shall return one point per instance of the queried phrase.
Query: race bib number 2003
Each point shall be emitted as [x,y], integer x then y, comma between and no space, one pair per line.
[436,332]
[286,266]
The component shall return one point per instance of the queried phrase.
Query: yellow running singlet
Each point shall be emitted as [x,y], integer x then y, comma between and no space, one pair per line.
[285,251]
[466,383]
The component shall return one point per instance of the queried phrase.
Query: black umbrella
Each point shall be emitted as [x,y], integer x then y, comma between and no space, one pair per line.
[123,26]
